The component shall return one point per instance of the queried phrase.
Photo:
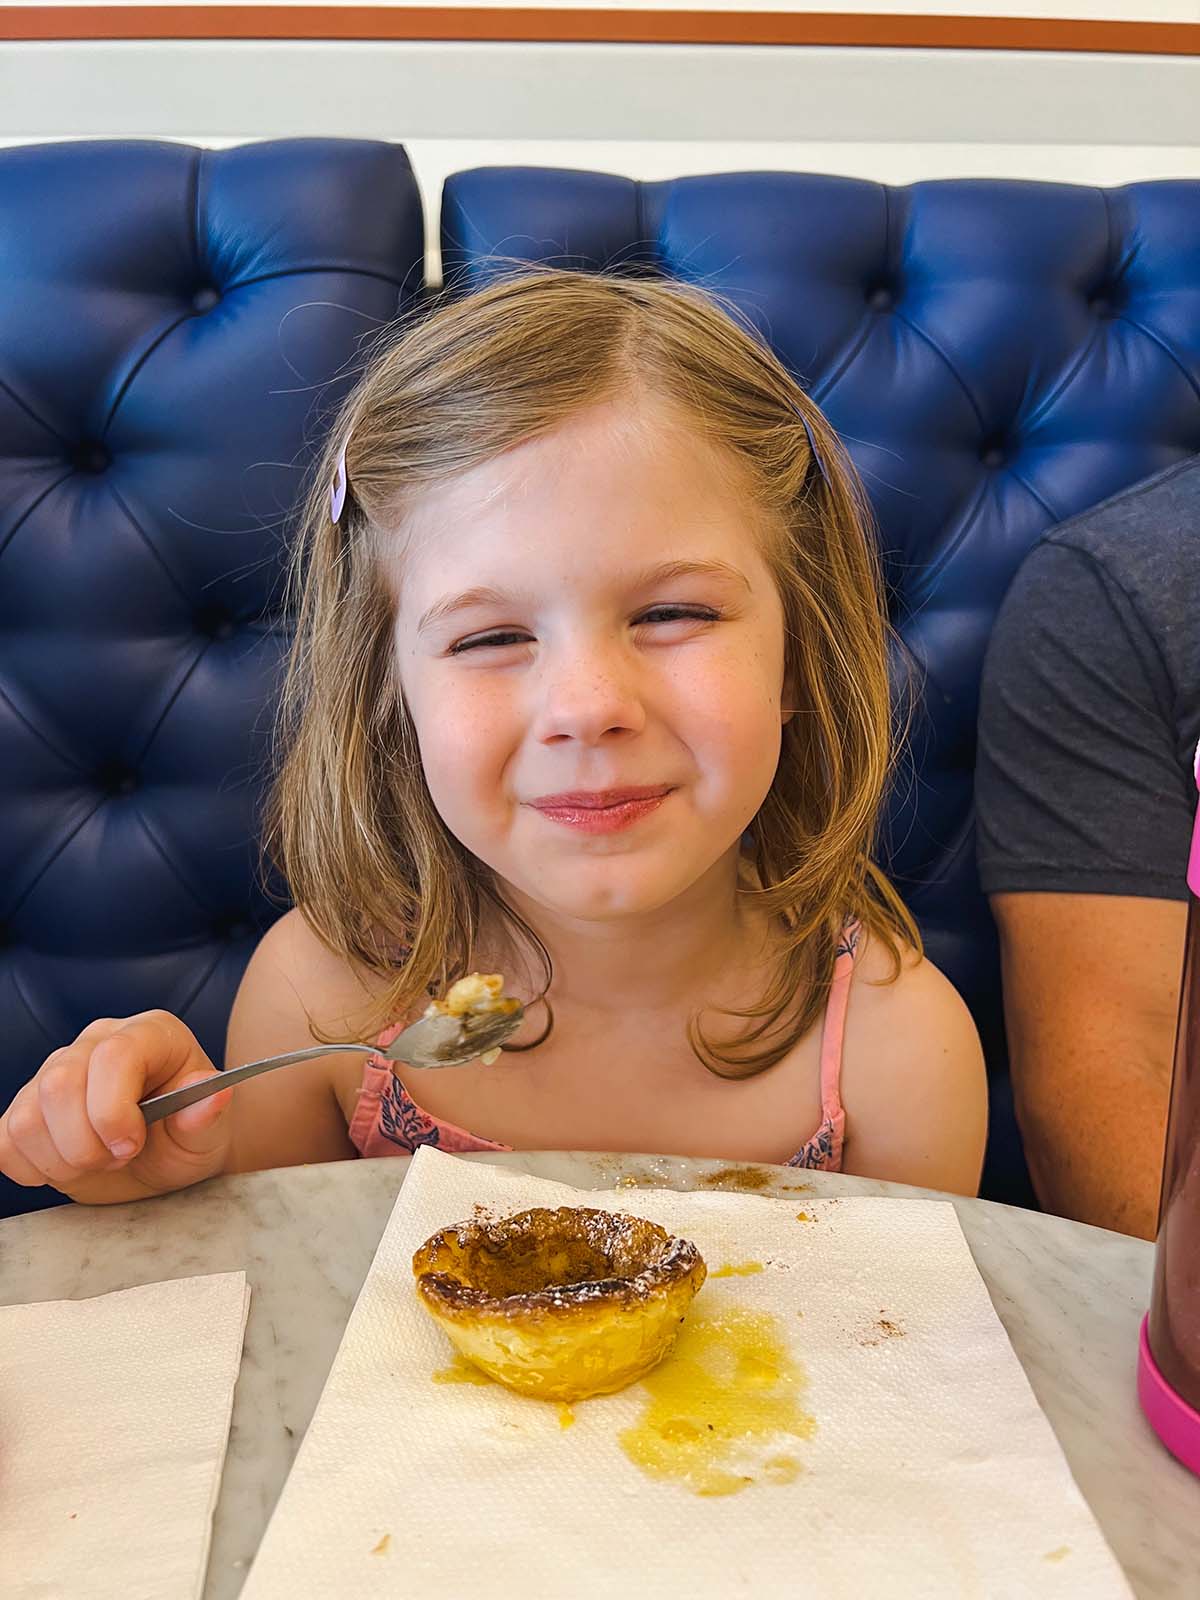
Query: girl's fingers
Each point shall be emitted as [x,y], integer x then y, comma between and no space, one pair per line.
[144,1055]
[62,1100]
[13,1164]
[116,1081]
[31,1138]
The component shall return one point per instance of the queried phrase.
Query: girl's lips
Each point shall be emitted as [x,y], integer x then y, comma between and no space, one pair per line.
[605,811]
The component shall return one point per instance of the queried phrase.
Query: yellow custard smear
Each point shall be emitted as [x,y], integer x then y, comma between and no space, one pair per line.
[461,1370]
[723,1410]
[740,1269]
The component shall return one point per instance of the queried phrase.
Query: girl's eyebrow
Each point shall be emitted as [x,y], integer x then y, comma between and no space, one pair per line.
[667,571]
[649,578]
[451,603]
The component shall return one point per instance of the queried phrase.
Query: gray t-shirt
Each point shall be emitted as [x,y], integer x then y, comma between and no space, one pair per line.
[1090,705]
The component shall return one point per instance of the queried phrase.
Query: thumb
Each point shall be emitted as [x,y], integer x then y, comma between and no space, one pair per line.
[202,1129]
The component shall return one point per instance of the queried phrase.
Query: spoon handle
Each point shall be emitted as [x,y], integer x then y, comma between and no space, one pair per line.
[164,1105]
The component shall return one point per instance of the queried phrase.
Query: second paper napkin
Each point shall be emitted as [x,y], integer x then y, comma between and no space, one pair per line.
[114,1419]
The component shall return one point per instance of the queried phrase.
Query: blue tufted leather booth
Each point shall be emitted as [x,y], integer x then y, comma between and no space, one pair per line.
[996,355]
[175,328]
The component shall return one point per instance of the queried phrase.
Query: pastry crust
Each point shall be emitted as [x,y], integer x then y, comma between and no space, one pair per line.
[561,1303]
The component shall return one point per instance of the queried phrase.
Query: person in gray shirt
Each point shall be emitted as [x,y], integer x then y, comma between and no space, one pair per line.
[1089,720]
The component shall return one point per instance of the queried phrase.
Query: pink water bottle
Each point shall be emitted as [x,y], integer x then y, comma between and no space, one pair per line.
[1169,1353]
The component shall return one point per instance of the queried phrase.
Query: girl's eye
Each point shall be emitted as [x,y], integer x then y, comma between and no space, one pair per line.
[508,638]
[494,641]
[667,613]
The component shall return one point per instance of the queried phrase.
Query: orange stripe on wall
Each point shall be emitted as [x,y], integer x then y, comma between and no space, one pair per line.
[542,25]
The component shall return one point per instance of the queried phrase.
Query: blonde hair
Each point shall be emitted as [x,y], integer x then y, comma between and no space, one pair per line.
[375,871]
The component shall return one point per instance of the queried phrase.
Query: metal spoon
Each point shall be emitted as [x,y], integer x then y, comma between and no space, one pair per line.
[437,1041]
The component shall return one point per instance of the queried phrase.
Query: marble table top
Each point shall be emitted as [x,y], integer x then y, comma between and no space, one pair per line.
[1071,1298]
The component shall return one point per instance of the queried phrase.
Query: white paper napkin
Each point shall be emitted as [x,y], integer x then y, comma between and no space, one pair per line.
[114,1418]
[931,1471]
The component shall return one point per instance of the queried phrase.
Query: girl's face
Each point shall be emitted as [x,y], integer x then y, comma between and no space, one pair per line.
[591,648]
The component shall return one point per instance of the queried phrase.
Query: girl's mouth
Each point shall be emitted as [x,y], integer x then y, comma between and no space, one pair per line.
[601,810]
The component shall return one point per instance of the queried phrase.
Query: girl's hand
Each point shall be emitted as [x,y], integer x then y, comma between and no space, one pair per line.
[76,1125]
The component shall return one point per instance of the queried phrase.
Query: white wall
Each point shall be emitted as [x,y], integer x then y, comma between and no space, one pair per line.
[433,90]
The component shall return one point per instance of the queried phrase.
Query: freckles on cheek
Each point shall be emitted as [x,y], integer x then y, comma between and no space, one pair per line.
[460,726]
[737,691]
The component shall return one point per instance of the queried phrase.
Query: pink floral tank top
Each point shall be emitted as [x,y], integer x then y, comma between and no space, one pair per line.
[387,1121]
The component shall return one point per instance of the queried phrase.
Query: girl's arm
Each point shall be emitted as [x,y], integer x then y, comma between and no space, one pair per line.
[293,1116]
[913,1079]
[76,1123]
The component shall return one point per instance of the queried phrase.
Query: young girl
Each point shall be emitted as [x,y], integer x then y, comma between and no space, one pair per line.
[589,688]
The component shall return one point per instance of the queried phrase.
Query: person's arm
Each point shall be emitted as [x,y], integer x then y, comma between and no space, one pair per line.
[913,1079]
[292,1116]
[1084,823]
[1091,985]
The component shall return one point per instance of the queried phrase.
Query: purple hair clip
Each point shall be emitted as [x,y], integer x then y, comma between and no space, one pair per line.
[337,489]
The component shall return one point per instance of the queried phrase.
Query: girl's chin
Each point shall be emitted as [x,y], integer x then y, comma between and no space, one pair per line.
[610,886]
[611,897]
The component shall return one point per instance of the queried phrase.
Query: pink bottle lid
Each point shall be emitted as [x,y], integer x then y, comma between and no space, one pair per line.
[1175,1422]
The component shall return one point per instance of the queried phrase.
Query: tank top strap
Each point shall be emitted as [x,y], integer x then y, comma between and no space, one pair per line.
[833,1030]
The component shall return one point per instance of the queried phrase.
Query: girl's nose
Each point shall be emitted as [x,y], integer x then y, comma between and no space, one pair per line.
[590,696]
